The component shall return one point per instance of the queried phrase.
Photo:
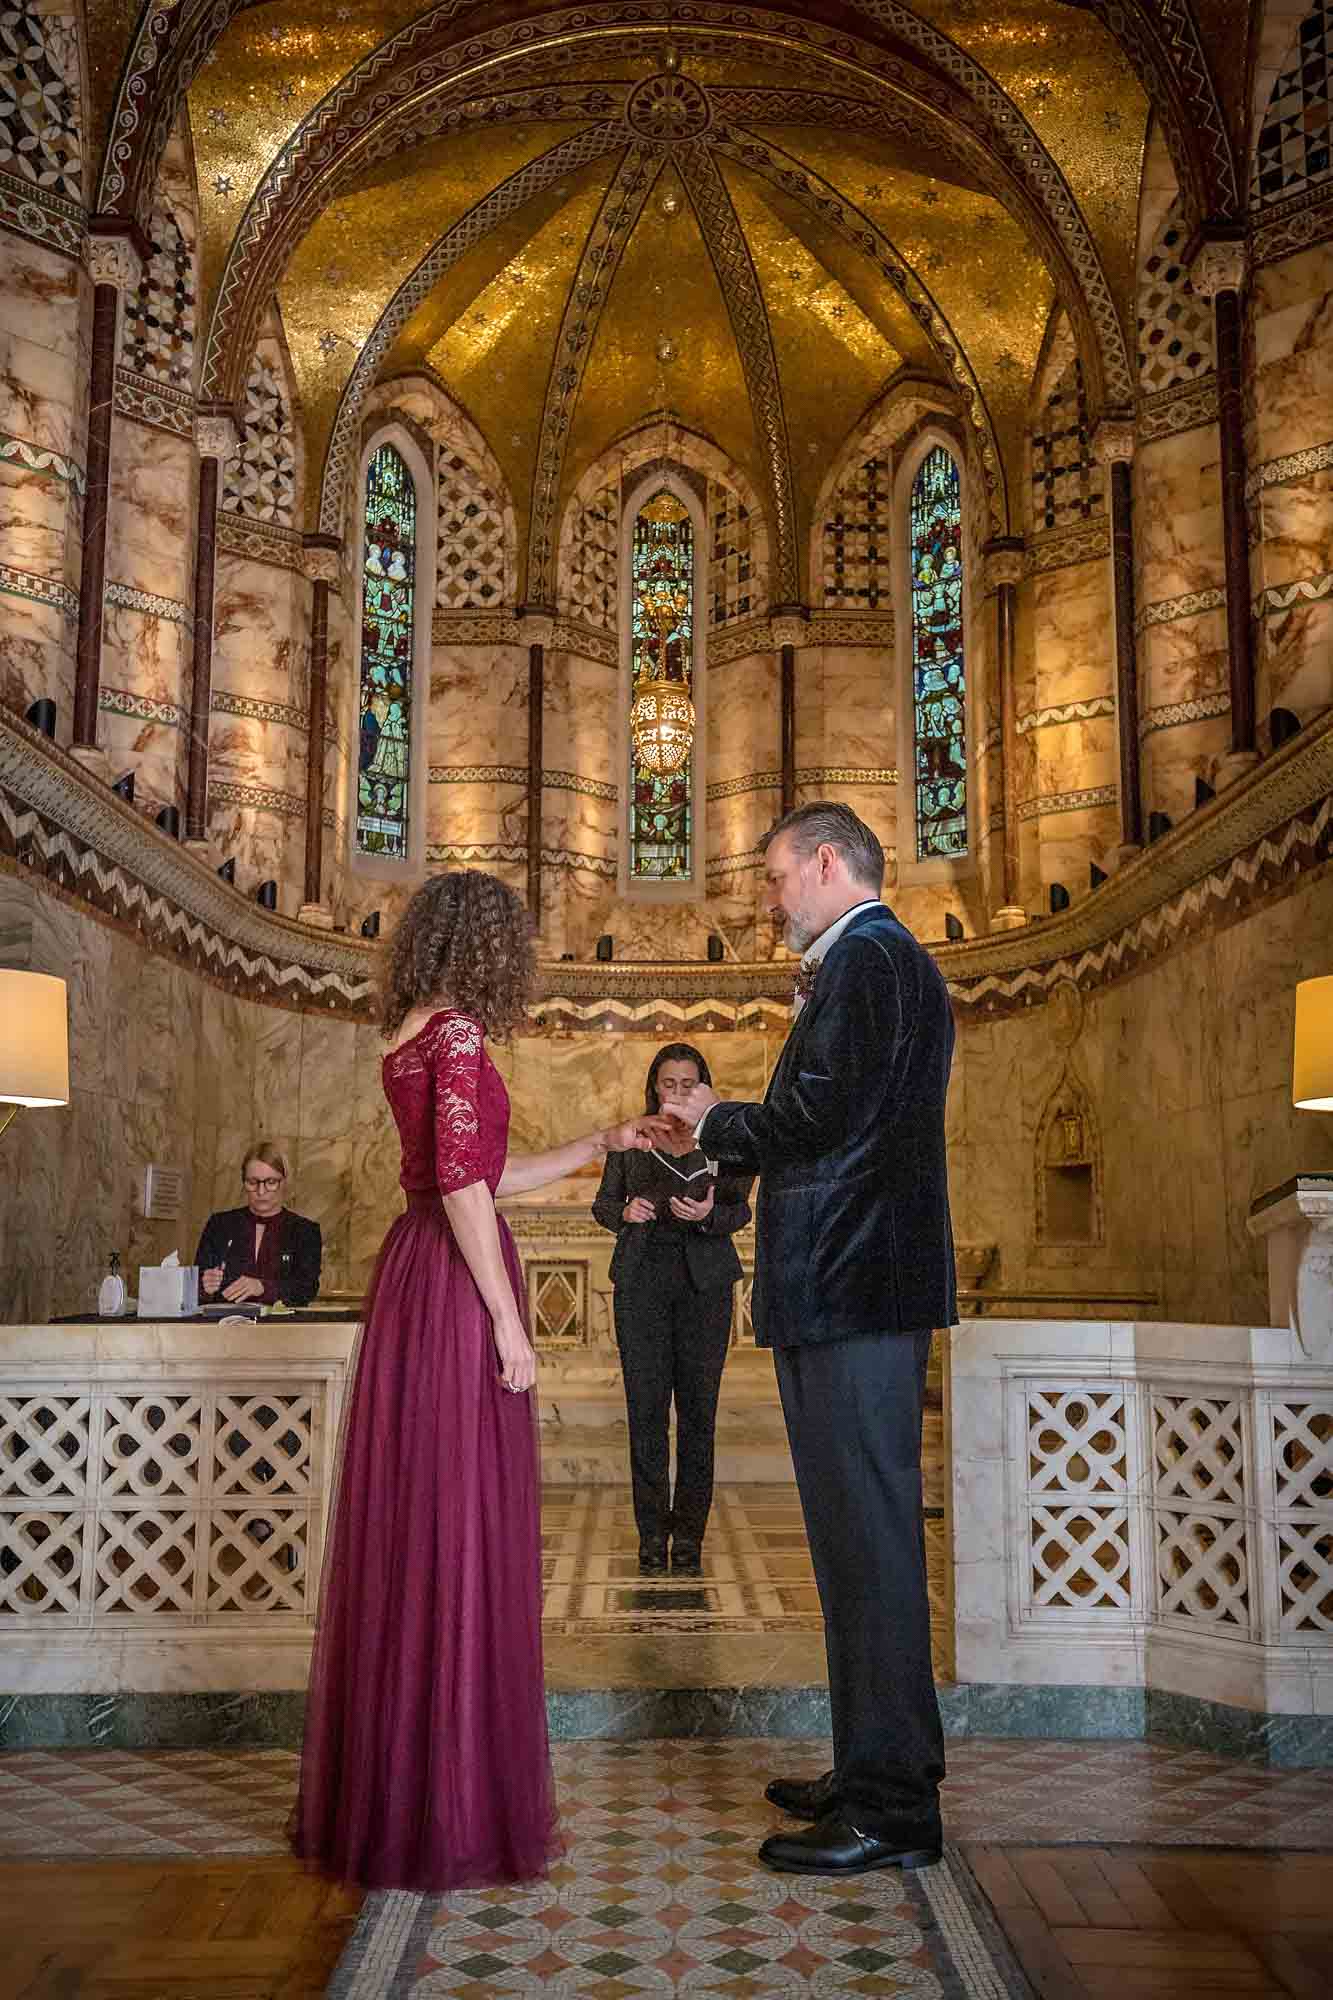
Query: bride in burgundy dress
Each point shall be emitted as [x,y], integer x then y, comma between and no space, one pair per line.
[425,1763]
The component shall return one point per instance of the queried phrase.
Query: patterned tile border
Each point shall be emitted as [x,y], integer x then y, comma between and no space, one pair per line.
[164,409]
[1062,548]
[1298,225]
[255,798]
[833,628]
[1169,412]
[1047,803]
[18,451]
[1277,471]
[124,597]
[735,788]
[1166,611]
[571,635]
[44,218]
[1264,833]
[1069,711]
[139,707]
[476,628]
[847,774]
[514,851]
[39,589]
[517,774]
[223,703]
[743,863]
[259,541]
[588,788]
[1280,597]
[1173,713]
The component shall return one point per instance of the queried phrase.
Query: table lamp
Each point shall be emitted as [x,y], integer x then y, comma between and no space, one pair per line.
[34,1042]
[1312,1057]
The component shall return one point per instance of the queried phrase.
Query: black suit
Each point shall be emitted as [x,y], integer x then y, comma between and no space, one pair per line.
[673,1285]
[854,1267]
[296,1253]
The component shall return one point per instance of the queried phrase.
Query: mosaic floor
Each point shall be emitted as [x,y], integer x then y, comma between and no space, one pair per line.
[69,1804]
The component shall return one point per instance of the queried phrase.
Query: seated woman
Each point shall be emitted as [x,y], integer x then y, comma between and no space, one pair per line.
[262,1251]
[673,1272]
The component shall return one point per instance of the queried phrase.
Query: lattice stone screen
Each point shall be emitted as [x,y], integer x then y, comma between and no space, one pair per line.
[149,1506]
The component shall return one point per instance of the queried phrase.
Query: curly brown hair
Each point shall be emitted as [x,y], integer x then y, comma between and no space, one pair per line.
[464,938]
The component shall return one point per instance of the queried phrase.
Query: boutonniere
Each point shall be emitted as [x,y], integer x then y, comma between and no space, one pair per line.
[806,976]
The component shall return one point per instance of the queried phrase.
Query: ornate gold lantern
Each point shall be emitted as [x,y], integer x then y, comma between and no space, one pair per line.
[661,720]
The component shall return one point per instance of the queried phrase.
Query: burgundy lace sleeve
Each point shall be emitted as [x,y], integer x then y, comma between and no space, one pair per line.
[456,1063]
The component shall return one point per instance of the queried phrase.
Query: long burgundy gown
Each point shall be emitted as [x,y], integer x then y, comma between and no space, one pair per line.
[425,1763]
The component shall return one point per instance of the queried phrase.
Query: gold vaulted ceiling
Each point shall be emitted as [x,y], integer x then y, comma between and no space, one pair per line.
[836,330]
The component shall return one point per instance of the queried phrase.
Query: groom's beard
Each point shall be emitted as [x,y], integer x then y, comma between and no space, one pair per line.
[800,929]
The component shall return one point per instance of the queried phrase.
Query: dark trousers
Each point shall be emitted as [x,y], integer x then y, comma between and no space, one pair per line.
[673,1342]
[853,1411]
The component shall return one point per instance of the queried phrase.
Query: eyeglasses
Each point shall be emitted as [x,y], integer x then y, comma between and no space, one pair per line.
[262,1187]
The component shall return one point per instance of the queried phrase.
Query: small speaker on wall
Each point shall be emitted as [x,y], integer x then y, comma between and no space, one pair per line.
[169,820]
[370,926]
[716,949]
[1203,792]
[228,870]
[605,947]
[124,788]
[953,930]
[42,715]
[1158,824]
[1059,898]
[1096,875]
[1282,726]
[266,895]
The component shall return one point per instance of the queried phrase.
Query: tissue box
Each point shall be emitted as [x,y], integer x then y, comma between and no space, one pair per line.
[167,1291]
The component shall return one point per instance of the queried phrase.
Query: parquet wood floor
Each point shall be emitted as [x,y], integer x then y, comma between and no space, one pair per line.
[249,1929]
[1141,1923]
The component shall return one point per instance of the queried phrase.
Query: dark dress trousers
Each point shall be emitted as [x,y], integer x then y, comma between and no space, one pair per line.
[673,1284]
[854,1267]
[289,1259]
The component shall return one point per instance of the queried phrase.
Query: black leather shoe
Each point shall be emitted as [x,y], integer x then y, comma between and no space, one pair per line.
[833,1846]
[652,1558]
[686,1559]
[804,1798]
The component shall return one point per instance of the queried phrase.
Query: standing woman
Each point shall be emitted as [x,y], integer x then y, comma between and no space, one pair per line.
[673,1272]
[425,1762]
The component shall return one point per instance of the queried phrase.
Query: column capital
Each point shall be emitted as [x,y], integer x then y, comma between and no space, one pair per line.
[536,625]
[789,624]
[1113,441]
[321,559]
[216,434]
[1218,265]
[117,252]
[1002,560]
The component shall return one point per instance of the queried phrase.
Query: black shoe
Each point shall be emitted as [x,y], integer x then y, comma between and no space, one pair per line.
[804,1798]
[652,1558]
[833,1846]
[686,1559]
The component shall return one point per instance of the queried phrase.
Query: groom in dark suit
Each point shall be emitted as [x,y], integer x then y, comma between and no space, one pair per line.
[854,1267]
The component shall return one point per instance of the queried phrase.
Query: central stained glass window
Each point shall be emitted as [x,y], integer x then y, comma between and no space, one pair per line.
[662,646]
[388,631]
[939,692]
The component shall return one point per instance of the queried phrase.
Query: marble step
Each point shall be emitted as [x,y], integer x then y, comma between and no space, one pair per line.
[598,1455]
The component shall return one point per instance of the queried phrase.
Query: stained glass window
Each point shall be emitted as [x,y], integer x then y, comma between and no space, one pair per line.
[388,611]
[662,648]
[939,694]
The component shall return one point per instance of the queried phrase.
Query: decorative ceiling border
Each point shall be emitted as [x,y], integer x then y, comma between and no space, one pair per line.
[1168,412]
[1300,224]
[1261,833]
[44,218]
[258,541]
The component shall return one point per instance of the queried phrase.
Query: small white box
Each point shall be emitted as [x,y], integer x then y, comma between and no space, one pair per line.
[168,1291]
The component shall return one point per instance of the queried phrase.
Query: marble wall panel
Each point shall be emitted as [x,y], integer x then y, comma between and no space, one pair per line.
[1291,325]
[39,359]
[1178,516]
[1074,653]
[37,644]
[1295,670]
[593,737]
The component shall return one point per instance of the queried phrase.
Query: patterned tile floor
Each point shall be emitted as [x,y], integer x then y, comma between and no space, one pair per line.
[86,1803]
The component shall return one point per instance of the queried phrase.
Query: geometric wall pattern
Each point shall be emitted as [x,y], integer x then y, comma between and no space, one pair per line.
[157,343]
[857,570]
[592,580]
[1175,325]
[470,562]
[1067,484]
[732,587]
[1293,153]
[39,100]
[260,482]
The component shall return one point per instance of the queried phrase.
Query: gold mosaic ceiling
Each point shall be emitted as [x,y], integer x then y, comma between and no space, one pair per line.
[665,331]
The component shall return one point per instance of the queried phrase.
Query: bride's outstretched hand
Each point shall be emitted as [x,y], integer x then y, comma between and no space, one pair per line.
[637,1135]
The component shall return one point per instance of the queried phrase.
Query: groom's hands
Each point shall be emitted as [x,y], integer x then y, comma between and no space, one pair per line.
[691,1106]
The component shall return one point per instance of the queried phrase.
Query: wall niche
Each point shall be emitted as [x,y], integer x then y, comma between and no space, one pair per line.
[1069,1168]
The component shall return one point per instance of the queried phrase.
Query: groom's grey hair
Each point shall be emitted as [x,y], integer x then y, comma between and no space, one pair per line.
[824,824]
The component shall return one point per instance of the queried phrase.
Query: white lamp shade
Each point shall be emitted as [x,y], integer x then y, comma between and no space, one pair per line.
[34,1039]
[1312,1060]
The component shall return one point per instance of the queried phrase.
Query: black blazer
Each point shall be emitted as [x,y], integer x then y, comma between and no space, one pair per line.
[853,1234]
[710,1254]
[226,1239]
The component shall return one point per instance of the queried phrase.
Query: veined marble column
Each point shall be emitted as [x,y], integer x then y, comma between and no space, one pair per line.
[215,437]
[1218,273]
[1004,572]
[1113,447]
[538,630]
[320,562]
[115,261]
[790,627]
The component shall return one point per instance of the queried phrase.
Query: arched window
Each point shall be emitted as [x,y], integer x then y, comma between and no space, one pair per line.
[939,685]
[388,636]
[661,813]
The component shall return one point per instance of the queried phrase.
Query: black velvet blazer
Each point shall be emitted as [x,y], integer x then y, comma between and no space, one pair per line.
[227,1237]
[853,1234]
[710,1254]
